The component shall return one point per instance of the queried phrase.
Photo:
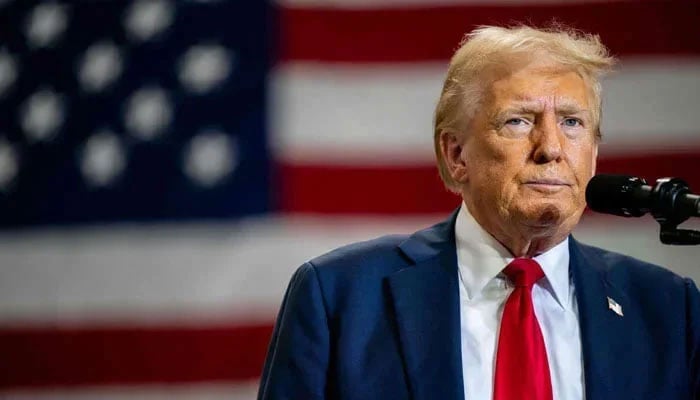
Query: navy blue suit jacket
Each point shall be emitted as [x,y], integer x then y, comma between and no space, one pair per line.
[380,320]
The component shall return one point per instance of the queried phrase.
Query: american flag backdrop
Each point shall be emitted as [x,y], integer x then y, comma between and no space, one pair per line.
[166,165]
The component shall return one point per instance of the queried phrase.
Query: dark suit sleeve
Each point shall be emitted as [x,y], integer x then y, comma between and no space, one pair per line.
[297,360]
[693,339]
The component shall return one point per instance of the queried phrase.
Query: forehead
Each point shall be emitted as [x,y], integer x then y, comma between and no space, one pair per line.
[540,85]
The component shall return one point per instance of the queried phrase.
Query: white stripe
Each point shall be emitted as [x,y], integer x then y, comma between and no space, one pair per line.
[193,274]
[376,115]
[167,274]
[374,4]
[348,113]
[233,391]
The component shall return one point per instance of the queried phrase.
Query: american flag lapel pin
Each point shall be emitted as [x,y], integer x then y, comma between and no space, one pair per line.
[616,308]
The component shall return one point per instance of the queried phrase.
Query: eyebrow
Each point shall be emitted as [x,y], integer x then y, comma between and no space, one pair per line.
[564,106]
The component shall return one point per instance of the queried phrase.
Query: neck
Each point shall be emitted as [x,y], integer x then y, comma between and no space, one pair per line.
[528,246]
[523,239]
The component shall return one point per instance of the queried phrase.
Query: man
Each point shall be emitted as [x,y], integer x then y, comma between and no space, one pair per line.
[499,301]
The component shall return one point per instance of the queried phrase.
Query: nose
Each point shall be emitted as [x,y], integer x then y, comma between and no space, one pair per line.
[547,141]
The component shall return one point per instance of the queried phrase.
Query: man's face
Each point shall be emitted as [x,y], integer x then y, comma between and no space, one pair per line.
[530,151]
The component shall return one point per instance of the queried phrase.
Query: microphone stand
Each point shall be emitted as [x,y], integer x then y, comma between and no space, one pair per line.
[669,216]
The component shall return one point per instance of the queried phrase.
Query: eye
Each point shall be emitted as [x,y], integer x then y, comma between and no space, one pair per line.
[572,122]
[514,127]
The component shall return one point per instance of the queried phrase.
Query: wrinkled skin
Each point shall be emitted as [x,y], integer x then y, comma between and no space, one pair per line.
[526,157]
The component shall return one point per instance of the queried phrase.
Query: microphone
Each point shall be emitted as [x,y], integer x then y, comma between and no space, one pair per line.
[669,200]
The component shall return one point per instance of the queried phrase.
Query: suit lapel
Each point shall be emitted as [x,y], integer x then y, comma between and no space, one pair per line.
[606,336]
[425,297]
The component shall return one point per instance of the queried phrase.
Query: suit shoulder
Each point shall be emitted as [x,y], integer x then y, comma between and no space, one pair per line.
[353,274]
[629,269]
[379,252]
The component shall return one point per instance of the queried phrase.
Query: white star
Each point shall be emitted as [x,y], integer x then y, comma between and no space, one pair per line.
[147,18]
[101,65]
[46,24]
[103,158]
[8,72]
[203,67]
[148,113]
[9,165]
[42,114]
[210,157]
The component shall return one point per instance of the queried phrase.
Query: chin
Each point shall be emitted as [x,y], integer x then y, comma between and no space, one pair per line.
[548,216]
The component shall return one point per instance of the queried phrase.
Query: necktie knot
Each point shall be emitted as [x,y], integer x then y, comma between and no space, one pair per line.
[523,272]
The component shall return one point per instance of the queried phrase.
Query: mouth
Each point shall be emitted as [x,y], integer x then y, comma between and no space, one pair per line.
[547,185]
[553,182]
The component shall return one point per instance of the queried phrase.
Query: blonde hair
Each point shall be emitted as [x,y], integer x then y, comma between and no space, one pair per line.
[489,47]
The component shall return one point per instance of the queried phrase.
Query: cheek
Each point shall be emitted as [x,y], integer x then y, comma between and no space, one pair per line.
[587,164]
[485,164]
[498,153]
[493,170]
[584,162]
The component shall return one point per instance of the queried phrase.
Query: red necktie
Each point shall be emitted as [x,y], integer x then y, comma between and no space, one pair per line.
[522,371]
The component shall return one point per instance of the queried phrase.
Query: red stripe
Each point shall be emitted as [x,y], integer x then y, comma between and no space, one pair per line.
[417,189]
[432,33]
[55,356]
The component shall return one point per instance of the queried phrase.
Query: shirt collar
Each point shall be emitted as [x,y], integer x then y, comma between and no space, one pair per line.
[481,258]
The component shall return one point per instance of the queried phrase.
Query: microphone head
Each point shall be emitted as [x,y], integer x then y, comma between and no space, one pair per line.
[616,194]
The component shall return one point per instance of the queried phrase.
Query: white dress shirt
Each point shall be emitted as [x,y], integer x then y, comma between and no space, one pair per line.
[483,291]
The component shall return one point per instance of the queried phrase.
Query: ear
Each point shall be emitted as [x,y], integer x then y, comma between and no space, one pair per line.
[452,148]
